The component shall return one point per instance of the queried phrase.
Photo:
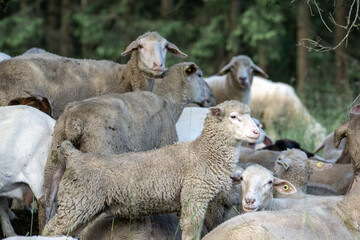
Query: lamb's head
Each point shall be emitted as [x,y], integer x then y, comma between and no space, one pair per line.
[293,165]
[257,184]
[232,120]
[242,69]
[351,130]
[151,51]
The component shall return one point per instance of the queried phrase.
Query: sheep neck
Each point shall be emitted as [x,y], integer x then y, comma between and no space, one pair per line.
[219,148]
[139,79]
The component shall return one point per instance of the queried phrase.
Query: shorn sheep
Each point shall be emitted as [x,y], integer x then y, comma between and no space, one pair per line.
[118,123]
[317,221]
[276,103]
[26,136]
[64,79]
[235,80]
[181,178]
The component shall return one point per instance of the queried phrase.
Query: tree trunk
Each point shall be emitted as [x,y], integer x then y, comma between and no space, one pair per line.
[341,78]
[66,48]
[166,7]
[52,16]
[262,57]
[234,15]
[303,28]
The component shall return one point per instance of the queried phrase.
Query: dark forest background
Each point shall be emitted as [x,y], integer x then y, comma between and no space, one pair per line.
[210,32]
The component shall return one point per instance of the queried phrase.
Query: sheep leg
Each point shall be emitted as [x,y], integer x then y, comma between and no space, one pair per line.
[193,212]
[6,226]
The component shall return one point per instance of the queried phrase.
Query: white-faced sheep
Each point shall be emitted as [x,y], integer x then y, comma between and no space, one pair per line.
[64,79]
[276,104]
[26,135]
[235,80]
[118,123]
[182,177]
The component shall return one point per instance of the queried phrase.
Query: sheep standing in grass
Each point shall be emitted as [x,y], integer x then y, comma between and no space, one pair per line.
[182,177]
[235,80]
[64,79]
[118,123]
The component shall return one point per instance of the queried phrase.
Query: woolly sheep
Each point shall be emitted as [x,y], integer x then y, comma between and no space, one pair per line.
[235,80]
[117,123]
[182,177]
[276,103]
[64,79]
[25,144]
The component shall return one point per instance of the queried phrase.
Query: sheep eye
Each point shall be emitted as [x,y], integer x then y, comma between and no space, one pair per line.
[233,116]
[241,179]
[286,187]
[140,46]
[270,182]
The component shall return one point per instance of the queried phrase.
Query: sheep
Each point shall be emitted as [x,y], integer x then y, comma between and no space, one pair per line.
[26,136]
[265,158]
[350,130]
[316,220]
[64,80]
[100,125]
[181,177]
[4,56]
[191,123]
[330,152]
[276,103]
[293,165]
[36,101]
[235,80]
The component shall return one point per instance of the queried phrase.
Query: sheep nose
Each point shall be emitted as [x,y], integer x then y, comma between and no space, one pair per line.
[256,132]
[158,64]
[243,79]
[250,201]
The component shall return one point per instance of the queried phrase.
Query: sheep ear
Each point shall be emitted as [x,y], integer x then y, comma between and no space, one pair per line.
[133,46]
[217,112]
[340,133]
[257,69]
[284,162]
[355,110]
[173,49]
[284,186]
[225,69]
[14,102]
[190,70]
[268,141]
[319,166]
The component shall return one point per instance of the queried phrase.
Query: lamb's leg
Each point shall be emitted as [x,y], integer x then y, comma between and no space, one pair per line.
[6,226]
[193,210]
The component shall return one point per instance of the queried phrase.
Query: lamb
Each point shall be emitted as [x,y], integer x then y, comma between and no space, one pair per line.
[181,177]
[26,136]
[235,80]
[64,80]
[277,104]
[318,220]
[36,101]
[99,124]
[4,56]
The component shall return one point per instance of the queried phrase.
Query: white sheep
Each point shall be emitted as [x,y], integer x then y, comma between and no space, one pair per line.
[235,80]
[26,135]
[276,104]
[64,79]
[118,123]
[182,177]
[4,56]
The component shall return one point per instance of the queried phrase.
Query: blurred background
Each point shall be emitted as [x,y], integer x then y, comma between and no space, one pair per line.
[210,32]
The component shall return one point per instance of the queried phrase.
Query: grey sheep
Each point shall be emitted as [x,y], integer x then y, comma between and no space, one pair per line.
[118,123]
[182,177]
[64,80]
[235,80]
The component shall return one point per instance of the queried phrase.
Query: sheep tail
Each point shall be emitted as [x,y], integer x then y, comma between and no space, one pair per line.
[74,129]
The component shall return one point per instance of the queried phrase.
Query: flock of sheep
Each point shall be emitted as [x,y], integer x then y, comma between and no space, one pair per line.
[113,151]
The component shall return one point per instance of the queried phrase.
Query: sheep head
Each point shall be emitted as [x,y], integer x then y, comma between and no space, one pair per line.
[151,51]
[242,69]
[257,184]
[235,120]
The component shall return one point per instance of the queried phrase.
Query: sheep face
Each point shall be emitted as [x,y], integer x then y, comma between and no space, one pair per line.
[242,69]
[257,184]
[152,49]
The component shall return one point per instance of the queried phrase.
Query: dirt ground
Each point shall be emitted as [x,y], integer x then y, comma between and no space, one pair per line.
[22,223]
